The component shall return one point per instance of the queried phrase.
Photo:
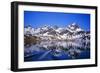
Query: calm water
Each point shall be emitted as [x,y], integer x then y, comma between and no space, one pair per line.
[57,50]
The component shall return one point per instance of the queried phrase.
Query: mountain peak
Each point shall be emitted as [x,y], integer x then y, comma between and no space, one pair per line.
[28,26]
[55,32]
[73,24]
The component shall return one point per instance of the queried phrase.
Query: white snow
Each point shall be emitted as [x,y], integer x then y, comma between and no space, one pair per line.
[65,35]
[60,30]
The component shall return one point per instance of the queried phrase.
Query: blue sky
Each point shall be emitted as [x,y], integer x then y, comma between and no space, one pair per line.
[39,19]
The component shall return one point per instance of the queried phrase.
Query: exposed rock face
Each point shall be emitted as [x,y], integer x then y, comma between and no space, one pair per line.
[71,32]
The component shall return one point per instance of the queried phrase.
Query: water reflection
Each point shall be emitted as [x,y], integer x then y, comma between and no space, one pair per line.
[57,50]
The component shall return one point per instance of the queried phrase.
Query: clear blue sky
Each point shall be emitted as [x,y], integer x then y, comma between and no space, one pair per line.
[39,19]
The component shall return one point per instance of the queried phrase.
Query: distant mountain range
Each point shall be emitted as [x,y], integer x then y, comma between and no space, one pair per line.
[70,32]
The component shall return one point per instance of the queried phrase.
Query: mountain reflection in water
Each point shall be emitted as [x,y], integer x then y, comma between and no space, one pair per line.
[57,50]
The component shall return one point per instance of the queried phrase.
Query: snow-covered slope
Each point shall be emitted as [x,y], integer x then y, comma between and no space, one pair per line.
[70,32]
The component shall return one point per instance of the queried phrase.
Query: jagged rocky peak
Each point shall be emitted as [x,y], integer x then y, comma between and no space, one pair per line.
[72,31]
[28,26]
[45,27]
[73,26]
[55,27]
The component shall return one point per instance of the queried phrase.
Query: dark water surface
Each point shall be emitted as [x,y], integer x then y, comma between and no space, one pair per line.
[57,50]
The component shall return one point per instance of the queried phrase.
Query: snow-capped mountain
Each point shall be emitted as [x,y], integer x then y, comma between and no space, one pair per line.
[70,32]
[74,28]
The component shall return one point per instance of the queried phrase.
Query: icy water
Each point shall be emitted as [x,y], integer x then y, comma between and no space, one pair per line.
[57,50]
